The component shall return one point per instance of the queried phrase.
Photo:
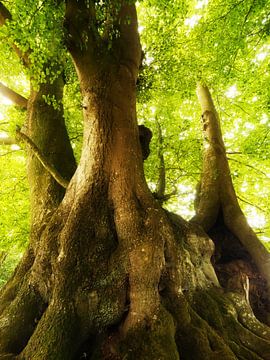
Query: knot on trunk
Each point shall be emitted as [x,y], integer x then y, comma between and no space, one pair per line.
[145,136]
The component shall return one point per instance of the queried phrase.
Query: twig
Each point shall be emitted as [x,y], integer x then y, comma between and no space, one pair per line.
[250,166]
[253,205]
[9,152]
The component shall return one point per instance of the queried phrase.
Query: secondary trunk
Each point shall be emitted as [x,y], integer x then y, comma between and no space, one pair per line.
[239,252]
[45,128]
[45,131]
[115,276]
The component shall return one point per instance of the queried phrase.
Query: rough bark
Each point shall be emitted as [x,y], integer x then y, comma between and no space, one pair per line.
[113,275]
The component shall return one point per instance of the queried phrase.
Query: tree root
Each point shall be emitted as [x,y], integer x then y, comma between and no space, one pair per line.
[19,319]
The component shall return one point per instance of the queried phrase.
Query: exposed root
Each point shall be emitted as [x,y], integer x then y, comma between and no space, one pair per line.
[57,334]
[10,289]
[152,339]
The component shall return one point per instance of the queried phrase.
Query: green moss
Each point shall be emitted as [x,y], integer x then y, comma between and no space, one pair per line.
[207,306]
[56,335]
[154,340]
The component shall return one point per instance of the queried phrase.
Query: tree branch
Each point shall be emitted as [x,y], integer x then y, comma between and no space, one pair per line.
[7,141]
[249,166]
[13,96]
[130,47]
[249,203]
[49,167]
[5,15]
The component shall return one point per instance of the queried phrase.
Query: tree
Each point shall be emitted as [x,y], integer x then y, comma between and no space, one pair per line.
[109,274]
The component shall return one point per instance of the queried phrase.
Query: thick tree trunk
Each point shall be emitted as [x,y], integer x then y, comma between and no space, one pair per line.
[115,276]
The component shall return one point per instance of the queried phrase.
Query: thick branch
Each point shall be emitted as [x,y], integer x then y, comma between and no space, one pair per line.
[4,16]
[49,167]
[13,96]
[205,99]
[129,40]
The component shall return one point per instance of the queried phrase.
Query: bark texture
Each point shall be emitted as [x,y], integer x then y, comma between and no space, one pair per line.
[113,275]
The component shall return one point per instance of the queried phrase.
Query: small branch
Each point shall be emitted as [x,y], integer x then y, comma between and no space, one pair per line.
[7,141]
[223,16]
[234,153]
[3,255]
[249,166]
[240,36]
[164,197]
[253,205]
[240,107]
[9,152]
[13,96]
[49,167]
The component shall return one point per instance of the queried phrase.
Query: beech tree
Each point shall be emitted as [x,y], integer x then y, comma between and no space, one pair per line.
[109,273]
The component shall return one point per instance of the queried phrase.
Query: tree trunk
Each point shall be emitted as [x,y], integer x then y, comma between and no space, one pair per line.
[238,250]
[46,128]
[114,275]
